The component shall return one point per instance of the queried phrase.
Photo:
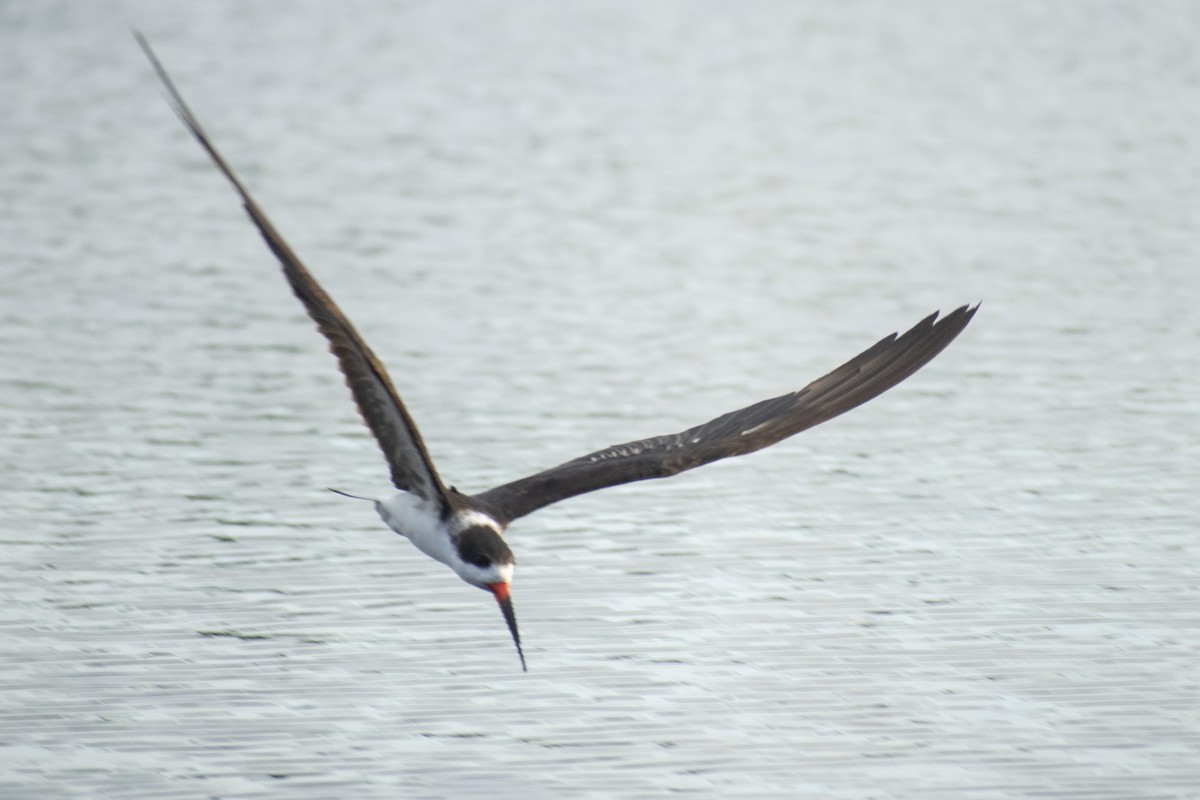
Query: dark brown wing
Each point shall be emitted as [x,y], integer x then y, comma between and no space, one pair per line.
[377,400]
[866,375]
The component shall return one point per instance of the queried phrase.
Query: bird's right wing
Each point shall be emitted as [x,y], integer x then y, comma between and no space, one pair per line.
[377,400]
[863,377]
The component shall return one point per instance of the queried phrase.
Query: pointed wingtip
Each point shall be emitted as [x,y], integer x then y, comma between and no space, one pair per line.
[969,309]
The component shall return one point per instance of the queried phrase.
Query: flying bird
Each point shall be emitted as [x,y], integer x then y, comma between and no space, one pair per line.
[464,531]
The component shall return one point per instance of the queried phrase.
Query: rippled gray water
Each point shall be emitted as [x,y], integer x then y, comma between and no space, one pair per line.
[565,225]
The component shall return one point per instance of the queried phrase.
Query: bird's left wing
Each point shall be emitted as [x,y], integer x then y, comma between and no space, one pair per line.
[863,377]
[377,400]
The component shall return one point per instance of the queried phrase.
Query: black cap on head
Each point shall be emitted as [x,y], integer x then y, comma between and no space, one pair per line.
[483,547]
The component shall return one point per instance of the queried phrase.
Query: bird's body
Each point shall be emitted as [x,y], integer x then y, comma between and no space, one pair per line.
[465,532]
[457,540]
[418,521]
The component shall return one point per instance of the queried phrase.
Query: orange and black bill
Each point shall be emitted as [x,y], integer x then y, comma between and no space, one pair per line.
[500,590]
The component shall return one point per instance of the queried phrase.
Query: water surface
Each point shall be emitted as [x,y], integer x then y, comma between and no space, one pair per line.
[568,225]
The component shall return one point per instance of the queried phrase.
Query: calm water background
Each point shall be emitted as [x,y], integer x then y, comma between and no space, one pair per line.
[563,226]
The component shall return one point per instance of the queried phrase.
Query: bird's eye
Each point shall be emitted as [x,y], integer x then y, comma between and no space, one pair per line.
[481,562]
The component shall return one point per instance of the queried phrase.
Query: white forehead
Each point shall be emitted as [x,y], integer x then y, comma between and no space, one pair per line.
[483,576]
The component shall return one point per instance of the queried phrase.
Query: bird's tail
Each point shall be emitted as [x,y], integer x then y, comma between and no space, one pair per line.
[354,496]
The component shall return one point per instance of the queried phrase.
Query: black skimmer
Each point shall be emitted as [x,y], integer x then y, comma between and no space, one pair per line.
[465,532]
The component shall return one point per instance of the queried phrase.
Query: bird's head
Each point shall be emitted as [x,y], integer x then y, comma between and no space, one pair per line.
[487,562]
